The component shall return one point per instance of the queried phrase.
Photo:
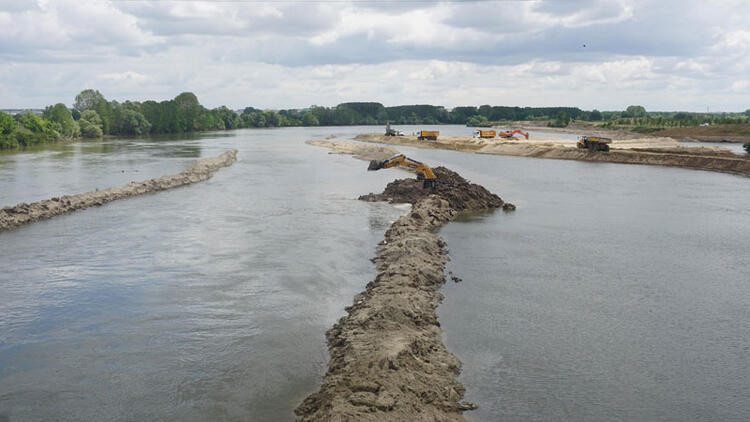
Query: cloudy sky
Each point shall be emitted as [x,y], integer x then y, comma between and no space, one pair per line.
[605,54]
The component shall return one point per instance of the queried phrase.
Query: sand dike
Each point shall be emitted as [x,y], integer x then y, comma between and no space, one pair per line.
[12,217]
[388,362]
[647,151]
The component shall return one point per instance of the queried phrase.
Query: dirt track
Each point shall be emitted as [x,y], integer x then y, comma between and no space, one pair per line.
[12,217]
[388,361]
[651,151]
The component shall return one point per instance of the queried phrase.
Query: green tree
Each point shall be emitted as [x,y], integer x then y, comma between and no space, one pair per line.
[477,120]
[91,124]
[562,119]
[59,113]
[309,119]
[7,124]
[134,123]
[596,115]
[189,109]
[635,111]
[87,99]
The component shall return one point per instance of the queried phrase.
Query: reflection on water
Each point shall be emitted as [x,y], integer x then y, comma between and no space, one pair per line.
[619,300]
[208,302]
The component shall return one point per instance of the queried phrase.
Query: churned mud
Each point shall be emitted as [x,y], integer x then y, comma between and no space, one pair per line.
[388,362]
[12,217]
[651,151]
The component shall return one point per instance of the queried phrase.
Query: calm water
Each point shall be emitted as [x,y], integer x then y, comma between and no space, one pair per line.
[624,299]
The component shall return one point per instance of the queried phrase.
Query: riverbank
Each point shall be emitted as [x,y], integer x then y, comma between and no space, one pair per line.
[203,169]
[739,133]
[649,150]
[387,358]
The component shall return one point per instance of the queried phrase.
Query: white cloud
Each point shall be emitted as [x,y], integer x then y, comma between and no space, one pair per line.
[670,54]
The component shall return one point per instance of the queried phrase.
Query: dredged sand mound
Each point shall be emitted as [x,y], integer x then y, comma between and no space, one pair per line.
[23,213]
[388,362]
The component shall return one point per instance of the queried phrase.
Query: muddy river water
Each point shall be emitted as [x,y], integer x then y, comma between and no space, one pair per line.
[614,292]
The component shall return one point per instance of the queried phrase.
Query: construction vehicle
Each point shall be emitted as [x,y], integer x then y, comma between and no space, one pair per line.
[432,135]
[510,133]
[481,133]
[391,132]
[423,172]
[594,143]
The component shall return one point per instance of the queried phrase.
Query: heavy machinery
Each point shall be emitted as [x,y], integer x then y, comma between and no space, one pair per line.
[391,132]
[594,143]
[487,134]
[510,133]
[432,135]
[423,172]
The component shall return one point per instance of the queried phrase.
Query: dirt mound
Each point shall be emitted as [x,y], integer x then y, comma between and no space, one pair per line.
[459,192]
[388,361]
[12,217]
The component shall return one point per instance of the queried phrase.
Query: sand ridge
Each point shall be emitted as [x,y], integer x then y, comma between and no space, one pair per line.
[23,213]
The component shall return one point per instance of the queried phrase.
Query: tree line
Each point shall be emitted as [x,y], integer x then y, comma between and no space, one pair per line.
[93,116]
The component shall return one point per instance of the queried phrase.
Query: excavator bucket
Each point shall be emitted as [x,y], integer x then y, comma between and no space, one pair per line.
[375,165]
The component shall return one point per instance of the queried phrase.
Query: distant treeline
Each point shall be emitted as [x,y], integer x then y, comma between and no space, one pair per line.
[92,116]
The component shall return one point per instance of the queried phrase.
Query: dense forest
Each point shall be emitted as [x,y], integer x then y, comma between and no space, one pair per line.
[93,116]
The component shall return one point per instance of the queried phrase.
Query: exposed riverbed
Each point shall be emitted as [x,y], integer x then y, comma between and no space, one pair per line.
[211,301]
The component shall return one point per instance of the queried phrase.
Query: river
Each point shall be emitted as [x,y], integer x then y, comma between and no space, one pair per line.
[614,292]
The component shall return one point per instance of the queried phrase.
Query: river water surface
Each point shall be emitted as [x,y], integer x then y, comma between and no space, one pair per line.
[614,292]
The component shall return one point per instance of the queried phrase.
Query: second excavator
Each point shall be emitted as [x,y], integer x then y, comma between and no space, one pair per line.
[423,172]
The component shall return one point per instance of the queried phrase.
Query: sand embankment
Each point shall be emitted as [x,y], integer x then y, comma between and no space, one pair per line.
[360,151]
[651,151]
[388,362]
[12,217]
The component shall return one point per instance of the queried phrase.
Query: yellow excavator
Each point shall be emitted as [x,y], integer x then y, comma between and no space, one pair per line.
[423,172]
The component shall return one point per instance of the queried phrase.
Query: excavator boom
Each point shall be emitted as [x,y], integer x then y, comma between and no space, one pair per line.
[510,134]
[423,171]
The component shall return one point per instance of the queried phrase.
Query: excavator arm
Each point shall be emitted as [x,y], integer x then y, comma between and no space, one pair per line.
[513,132]
[423,171]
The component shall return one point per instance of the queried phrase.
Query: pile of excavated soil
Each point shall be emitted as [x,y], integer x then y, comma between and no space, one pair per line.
[388,362]
[460,193]
[12,217]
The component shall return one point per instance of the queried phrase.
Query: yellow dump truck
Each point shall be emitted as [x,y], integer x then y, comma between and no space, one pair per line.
[432,135]
[479,133]
[593,143]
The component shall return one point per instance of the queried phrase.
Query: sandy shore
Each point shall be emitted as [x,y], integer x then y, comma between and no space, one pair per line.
[388,361]
[360,151]
[12,217]
[650,150]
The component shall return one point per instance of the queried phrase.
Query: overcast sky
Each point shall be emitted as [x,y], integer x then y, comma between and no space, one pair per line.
[662,54]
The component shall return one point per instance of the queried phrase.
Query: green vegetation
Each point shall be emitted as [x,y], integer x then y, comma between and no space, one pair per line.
[562,120]
[637,119]
[93,116]
[27,129]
